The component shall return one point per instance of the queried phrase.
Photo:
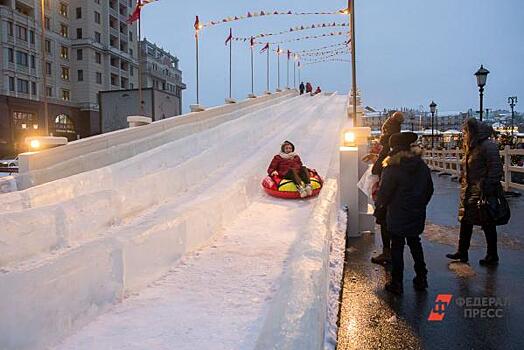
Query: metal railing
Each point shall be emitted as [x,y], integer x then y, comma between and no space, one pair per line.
[449,162]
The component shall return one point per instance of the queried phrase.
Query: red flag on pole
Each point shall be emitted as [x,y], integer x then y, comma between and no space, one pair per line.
[252,42]
[135,15]
[288,54]
[197,24]
[265,48]
[230,37]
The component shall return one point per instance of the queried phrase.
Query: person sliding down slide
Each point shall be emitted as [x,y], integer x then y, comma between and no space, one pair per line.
[288,165]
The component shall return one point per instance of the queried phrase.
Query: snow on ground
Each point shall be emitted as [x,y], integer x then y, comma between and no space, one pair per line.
[217,297]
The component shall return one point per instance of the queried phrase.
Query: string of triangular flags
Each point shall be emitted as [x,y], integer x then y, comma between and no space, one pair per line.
[253,14]
[295,29]
[345,43]
[327,60]
[306,38]
[334,54]
[325,53]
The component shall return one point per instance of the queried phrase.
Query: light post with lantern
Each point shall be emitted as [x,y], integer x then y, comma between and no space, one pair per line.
[482,76]
[432,108]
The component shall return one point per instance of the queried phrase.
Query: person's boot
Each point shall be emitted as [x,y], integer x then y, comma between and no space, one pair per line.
[309,190]
[463,257]
[382,259]
[394,287]
[489,260]
[420,283]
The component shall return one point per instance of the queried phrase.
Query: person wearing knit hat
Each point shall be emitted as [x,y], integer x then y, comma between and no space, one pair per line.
[391,126]
[405,190]
[288,165]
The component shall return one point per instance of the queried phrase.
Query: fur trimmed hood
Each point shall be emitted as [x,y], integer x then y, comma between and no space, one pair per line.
[414,153]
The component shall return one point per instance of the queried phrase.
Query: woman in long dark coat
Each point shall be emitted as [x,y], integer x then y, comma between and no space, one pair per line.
[480,178]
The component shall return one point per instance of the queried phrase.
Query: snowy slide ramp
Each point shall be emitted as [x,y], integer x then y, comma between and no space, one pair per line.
[102,245]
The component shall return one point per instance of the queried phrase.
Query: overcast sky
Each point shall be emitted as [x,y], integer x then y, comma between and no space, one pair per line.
[408,51]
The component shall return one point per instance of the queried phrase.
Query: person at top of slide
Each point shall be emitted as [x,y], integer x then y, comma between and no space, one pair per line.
[309,88]
[288,165]
[318,91]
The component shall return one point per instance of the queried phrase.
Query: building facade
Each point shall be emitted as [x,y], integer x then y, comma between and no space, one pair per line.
[418,121]
[160,70]
[88,47]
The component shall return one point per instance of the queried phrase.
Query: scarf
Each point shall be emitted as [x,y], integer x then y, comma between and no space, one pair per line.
[287,155]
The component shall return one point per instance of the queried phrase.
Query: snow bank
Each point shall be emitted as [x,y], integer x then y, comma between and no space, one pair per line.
[297,316]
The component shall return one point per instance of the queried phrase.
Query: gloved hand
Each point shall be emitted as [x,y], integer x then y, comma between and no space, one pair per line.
[274,173]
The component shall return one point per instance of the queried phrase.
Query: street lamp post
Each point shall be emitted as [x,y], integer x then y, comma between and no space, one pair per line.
[512,102]
[44,66]
[482,76]
[432,108]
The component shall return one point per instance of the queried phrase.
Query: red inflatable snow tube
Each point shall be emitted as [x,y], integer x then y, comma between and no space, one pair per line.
[283,188]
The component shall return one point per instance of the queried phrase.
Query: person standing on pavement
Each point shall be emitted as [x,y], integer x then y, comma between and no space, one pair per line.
[302,88]
[405,190]
[480,178]
[391,126]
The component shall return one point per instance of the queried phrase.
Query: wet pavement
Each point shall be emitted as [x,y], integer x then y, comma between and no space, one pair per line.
[486,310]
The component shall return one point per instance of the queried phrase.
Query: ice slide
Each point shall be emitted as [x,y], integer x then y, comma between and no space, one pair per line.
[201,214]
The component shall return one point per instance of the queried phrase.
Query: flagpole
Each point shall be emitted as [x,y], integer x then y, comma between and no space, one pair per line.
[351,9]
[252,73]
[140,96]
[197,70]
[268,70]
[231,64]
[294,72]
[287,85]
[278,65]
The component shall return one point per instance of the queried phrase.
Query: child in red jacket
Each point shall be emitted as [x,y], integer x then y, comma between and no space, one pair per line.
[288,165]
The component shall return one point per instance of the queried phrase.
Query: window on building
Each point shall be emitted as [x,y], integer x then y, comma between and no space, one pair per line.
[21,33]
[114,80]
[47,22]
[64,30]
[33,88]
[98,17]
[97,2]
[48,46]
[64,124]
[49,91]
[23,120]
[11,55]
[98,57]
[48,68]
[66,95]
[63,9]
[98,78]
[32,36]
[22,86]
[98,37]
[9,28]
[11,84]
[80,75]
[79,33]
[78,12]
[132,71]
[65,73]
[64,52]
[79,54]
[130,36]
[22,58]
[33,62]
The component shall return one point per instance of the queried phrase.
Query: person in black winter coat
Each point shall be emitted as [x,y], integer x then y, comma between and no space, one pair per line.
[391,126]
[405,190]
[481,175]
[302,88]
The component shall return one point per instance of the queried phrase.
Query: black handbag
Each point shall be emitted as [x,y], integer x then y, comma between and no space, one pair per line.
[495,207]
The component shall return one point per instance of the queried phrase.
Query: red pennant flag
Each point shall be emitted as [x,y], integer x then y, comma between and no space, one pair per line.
[252,42]
[288,54]
[197,24]
[265,48]
[135,15]
[230,37]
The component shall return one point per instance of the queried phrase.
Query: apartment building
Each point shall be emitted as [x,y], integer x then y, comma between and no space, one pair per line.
[160,71]
[89,47]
